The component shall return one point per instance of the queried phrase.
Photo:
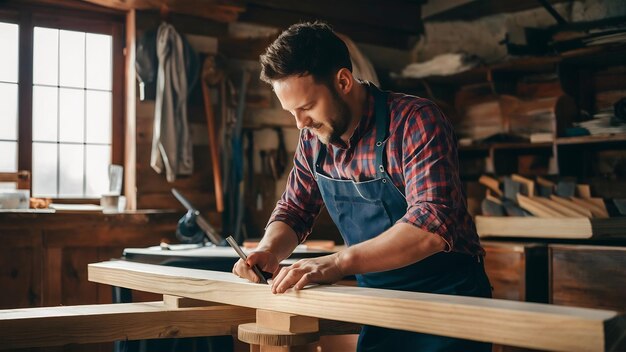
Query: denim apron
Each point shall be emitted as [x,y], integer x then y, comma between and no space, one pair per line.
[363,210]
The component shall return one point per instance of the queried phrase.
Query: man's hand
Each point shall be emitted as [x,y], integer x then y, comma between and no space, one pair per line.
[321,270]
[265,260]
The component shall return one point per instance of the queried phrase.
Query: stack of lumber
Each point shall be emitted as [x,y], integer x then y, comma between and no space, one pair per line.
[517,206]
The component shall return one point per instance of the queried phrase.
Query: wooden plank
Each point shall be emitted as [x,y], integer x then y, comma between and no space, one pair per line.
[528,183]
[557,207]
[510,323]
[595,210]
[55,326]
[515,226]
[573,206]
[491,183]
[537,208]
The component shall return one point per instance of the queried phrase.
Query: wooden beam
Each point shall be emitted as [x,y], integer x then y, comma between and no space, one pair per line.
[130,113]
[56,326]
[358,32]
[398,15]
[522,324]
[214,10]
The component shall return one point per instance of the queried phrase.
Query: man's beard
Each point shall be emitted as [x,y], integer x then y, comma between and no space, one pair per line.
[339,123]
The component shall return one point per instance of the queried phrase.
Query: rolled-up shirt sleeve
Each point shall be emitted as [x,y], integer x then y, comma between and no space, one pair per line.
[302,201]
[431,173]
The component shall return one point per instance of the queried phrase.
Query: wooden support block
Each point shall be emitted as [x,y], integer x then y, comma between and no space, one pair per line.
[258,335]
[522,324]
[286,322]
[174,302]
[57,326]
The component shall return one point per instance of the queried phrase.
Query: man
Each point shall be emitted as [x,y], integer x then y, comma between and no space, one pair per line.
[385,165]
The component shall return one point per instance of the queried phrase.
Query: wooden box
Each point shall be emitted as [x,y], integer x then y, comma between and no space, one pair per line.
[518,271]
[588,276]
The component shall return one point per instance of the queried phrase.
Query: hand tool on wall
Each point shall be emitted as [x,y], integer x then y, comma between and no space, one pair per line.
[211,75]
[193,227]
[281,153]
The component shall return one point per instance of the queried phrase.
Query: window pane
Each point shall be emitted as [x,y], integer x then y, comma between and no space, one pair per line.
[8,110]
[8,156]
[44,170]
[71,162]
[98,117]
[72,59]
[99,61]
[98,160]
[71,115]
[46,56]
[9,49]
[45,102]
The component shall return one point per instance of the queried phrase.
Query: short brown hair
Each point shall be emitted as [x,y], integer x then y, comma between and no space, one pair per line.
[305,48]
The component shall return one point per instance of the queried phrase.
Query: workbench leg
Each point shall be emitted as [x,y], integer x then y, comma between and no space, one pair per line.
[280,332]
[311,347]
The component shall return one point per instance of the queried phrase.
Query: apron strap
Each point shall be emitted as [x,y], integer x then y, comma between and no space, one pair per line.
[382,128]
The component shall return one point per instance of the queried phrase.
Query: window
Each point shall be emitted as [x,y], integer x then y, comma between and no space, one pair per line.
[71,132]
[8,96]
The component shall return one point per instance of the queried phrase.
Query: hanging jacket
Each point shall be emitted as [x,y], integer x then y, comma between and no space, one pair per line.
[171,140]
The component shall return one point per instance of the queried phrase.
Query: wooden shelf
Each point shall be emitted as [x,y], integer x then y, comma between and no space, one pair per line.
[520,64]
[604,138]
[500,146]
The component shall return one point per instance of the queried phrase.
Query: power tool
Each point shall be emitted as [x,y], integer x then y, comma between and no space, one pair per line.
[193,227]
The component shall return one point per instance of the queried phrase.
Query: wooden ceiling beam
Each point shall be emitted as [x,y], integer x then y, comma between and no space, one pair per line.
[357,32]
[221,11]
[397,15]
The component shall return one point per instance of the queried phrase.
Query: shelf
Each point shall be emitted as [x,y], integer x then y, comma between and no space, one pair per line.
[608,53]
[605,138]
[500,146]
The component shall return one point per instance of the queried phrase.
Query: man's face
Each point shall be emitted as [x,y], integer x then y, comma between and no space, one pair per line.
[315,106]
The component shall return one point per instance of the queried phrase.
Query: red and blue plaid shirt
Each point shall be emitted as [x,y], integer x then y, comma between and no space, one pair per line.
[421,160]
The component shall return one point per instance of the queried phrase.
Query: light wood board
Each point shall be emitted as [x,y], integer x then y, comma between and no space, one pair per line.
[56,326]
[522,324]
[536,227]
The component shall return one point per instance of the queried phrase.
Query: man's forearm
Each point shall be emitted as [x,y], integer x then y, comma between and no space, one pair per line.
[279,239]
[399,246]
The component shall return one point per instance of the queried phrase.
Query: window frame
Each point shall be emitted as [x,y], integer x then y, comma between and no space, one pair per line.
[101,21]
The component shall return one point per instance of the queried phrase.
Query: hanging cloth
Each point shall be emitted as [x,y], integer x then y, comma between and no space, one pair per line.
[171,142]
